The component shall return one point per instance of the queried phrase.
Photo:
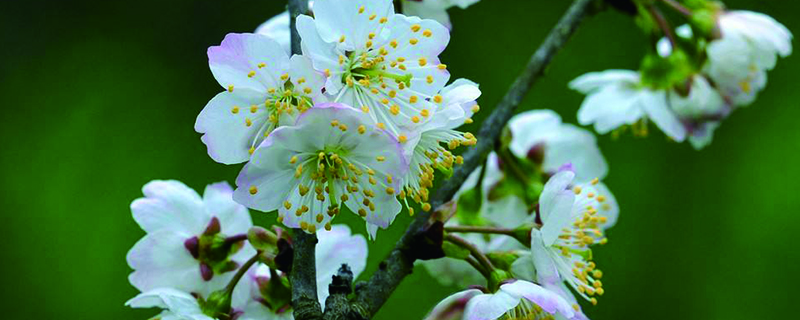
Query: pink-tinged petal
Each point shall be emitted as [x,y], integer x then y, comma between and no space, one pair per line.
[335,248]
[313,81]
[549,301]
[233,217]
[490,306]
[654,103]
[596,80]
[277,28]
[323,54]
[230,127]
[161,260]
[540,258]
[169,205]
[452,307]
[246,60]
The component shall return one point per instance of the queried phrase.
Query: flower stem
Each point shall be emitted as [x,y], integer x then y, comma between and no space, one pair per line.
[477,265]
[477,254]
[240,273]
[511,162]
[678,7]
[663,24]
[480,229]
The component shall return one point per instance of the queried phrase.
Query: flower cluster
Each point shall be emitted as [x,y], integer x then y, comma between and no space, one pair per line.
[192,263]
[362,118]
[541,208]
[692,81]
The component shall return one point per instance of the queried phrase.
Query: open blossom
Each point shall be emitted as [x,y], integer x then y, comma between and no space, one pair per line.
[429,144]
[177,305]
[192,244]
[540,136]
[264,89]
[518,299]
[434,9]
[701,110]
[617,97]
[573,218]
[383,63]
[749,46]
[256,301]
[328,158]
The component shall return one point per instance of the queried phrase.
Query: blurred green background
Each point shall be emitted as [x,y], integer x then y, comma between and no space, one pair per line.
[101,97]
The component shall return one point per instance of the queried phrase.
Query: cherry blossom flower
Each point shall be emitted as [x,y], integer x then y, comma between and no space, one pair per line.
[383,63]
[617,97]
[434,9]
[264,89]
[518,299]
[192,243]
[701,110]
[749,46]
[541,134]
[257,301]
[328,158]
[177,305]
[424,147]
[573,218]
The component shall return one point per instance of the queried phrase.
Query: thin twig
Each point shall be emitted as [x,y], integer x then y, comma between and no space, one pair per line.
[400,261]
[477,254]
[663,24]
[678,7]
[480,229]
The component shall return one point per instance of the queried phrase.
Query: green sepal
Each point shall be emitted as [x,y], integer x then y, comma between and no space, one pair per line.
[502,260]
[454,251]
[218,304]
[665,72]
[277,292]
[496,278]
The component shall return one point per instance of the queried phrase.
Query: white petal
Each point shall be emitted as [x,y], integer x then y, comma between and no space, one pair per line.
[313,80]
[235,62]
[171,205]
[595,80]
[611,107]
[269,174]
[233,217]
[577,146]
[446,308]
[277,28]
[523,268]
[322,54]
[655,105]
[545,266]
[345,18]
[549,301]
[166,298]
[161,260]
[530,128]
[490,306]
[229,127]
[555,187]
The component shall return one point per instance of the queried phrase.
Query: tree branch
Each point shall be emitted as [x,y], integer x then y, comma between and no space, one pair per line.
[304,274]
[371,297]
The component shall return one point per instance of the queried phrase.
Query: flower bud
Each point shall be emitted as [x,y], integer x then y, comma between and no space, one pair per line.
[262,239]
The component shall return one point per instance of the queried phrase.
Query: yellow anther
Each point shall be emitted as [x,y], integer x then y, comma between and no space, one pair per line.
[362,212]
[235,110]
[459,160]
[402,67]
[392,94]
[415,119]
[425,113]
[253,108]
[341,39]
[272,91]
[413,41]
[287,205]
[389,190]
[280,219]
[382,20]
[285,76]
[251,74]
[328,226]
[423,62]
[411,211]
[415,27]
[385,101]
[368,44]
[362,129]
[389,180]
[577,190]
[426,207]
[248,122]
[427,33]
[393,43]
[374,90]
[361,10]
[230,88]
[381,126]
[298,172]
[365,109]
[343,127]
[380,158]
[327,72]
[413,99]
[293,160]
[372,181]
[442,66]
[429,79]
[395,109]
[371,35]
[601,198]
[253,190]
[437,98]
[402,138]
[252,150]
[476,108]
[334,123]
[307,90]
[372,17]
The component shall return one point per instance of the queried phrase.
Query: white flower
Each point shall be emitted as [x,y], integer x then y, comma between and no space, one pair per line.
[329,157]
[192,244]
[434,9]
[514,300]
[749,47]
[335,248]
[617,97]
[424,145]
[573,218]
[452,307]
[700,111]
[539,132]
[264,89]
[383,63]
[177,305]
